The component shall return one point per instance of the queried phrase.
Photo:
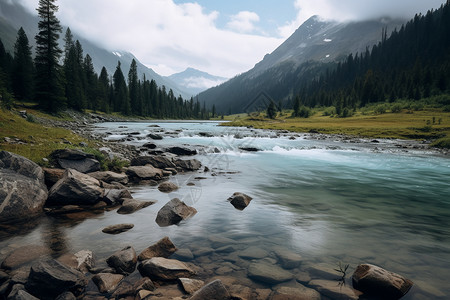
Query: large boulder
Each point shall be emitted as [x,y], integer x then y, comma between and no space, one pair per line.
[139,173]
[174,212]
[163,248]
[373,280]
[75,188]
[123,261]
[52,176]
[76,159]
[188,165]
[50,278]
[161,268]
[161,162]
[110,177]
[240,201]
[213,291]
[22,189]
[181,150]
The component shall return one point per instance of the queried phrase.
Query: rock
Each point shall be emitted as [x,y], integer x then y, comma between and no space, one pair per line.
[167,187]
[163,248]
[20,276]
[144,284]
[75,188]
[24,255]
[240,201]
[76,159]
[249,149]
[205,134]
[18,293]
[149,146]
[174,212]
[212,291]
[268,273]
[188,165]
[22,188]
[161,162]
[190,286]
[66,296]
[287,259]
[218,241]
[181,150]
[323,271]
[49,278]
[116,229]
[139,173]
[161,268]
[52,176]
[124,289]
[123,261]
[116,196]
[373,280]
[335,290]
[240,292]
[3,277]
[107,282]
[183,254]
[130,206]
[154,136]
[110,177]
[85,260]
[298,292]
[253,252]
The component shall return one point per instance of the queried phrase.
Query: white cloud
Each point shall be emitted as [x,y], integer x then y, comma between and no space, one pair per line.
[355,10]
[201,82]
[243,21]
[165,36]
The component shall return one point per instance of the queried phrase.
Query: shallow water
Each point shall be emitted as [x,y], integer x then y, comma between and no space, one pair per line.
[327,200]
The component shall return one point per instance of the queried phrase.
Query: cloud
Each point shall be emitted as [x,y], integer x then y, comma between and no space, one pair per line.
[201,82]
[356,10]
[243,21]
[166,36]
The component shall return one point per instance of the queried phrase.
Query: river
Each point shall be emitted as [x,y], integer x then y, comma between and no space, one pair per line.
[329,200]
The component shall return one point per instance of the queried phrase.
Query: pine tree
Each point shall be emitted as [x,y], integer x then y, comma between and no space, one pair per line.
[23,68]
[121,100]
[103,90]
[49,88]
[133,88]
[91,89]
[296,107]
[271,110]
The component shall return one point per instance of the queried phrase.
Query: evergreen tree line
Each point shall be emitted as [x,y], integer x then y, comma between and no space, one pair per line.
[413,63]
[75,84]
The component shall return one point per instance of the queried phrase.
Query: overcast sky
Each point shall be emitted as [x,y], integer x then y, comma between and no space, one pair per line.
[221,37]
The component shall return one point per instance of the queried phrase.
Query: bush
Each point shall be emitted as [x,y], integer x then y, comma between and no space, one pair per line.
[329,111]
[380,109]
[6,99]
[396,108]
[443,143]
[346,112]
[304,112]
[417,106]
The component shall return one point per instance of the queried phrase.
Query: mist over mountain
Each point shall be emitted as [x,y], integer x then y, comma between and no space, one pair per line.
[13,16]
[312,45]
[195,81]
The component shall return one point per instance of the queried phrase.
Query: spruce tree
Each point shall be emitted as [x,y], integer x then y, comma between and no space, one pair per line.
[49,90]
[103,90]
[121,99]
[133,87]
[22,71]
[271,110]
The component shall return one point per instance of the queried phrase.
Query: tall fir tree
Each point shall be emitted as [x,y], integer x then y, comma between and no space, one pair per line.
[121,100]
[23,68]
[49,91]
[133,87]
[103,90]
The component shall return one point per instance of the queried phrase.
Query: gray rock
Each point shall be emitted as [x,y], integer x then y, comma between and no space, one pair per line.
[50,278]
[167,187]
[181,150]
[188,165]
[75,188]
[116,229]
[66,296]
[161,268]
[298,292]
[144,284]
[76,159]
[213,291]
[70,154]
[373,280]
[287,259]
[268,273]
[253,252]
[190,286]
[52,176]
[174,212]
[240,201]
[155,136]
[163,248]
[110,177]
[149,145]
[22,188]
[130,206]
[161,162]
[18,293]
[123,261]
[323,271]
[335,290]
[139,173]
[183,254]
[85,260]
[107,282]
[23,255]
[113,196]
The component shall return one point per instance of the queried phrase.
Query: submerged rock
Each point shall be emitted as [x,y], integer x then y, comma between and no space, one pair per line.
[161,268]
[373,280]
[163,248]
[174,212]
[240,200]
[116,229]
[22,188]
[181,151]
[297,292]
[24,255]
[130,206]
[213,291]
[268,273]
[335,290]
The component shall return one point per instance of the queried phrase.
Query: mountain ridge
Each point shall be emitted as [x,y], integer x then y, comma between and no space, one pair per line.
[196,81]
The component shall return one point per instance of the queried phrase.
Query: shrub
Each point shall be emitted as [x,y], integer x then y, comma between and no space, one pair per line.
[380,109]
[442,143]
[329,111]
[396,108]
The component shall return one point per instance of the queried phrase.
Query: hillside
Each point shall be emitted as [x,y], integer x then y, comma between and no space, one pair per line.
[313,44]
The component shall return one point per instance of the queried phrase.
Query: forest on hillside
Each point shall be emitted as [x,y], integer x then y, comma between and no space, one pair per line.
[57,79]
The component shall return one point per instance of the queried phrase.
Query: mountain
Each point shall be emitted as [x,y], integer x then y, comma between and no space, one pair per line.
[195,81]
[13,16]
[313,45]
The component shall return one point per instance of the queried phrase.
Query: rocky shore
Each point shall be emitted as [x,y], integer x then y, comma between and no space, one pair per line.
[75,183]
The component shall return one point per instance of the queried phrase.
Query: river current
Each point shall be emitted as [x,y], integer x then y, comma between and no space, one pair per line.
[328,200]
